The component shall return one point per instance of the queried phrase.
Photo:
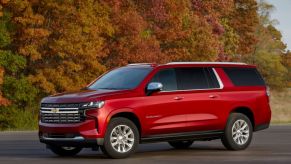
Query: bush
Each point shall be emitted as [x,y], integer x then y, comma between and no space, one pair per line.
[12,118]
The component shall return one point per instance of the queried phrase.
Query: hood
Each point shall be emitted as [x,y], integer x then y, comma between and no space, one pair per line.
[82,96]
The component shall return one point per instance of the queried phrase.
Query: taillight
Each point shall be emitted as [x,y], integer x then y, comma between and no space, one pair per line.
[268,93]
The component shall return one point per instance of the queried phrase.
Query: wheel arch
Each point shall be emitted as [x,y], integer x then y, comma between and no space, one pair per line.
[129,115]
[247,112]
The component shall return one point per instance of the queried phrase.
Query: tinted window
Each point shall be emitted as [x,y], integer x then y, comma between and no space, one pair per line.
[121,78]
[244,76]
[191,78]
[213,82]
[168,78]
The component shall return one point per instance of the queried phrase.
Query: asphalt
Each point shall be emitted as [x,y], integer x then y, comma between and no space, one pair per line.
[269,146]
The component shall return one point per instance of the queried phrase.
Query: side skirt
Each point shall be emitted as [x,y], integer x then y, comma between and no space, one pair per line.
[200,135]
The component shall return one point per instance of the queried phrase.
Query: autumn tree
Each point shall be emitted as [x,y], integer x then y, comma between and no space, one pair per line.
[133,41]
[50,46]
[286,57]
[268,50]
[244,20]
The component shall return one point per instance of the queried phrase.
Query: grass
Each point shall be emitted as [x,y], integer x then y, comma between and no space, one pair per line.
[281,106]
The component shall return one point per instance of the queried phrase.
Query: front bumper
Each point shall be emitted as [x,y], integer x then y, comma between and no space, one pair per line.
[83,134]
[77,141]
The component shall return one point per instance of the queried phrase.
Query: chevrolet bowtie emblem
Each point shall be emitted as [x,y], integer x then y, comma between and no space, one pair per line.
[55,110]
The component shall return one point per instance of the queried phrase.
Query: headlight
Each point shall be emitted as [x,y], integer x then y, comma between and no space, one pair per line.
[97,104]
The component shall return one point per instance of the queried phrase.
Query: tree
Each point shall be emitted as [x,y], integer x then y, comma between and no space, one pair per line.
[287,63]
[133,40]
[244,20]
[62,41]
[3,101]
[268,50]
[4,41]
[183,34]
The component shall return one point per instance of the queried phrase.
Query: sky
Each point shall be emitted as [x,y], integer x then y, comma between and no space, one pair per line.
[282,13]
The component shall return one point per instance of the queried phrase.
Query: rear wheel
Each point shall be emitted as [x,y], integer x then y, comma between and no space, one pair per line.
[181,144]
[64,151]
[121,138]
[238,132]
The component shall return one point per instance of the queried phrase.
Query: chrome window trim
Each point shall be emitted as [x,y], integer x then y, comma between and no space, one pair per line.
[217,77]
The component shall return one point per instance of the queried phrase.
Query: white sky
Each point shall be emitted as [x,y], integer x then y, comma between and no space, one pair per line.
[283,14]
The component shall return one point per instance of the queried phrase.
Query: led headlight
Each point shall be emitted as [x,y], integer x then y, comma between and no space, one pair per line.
[97,104]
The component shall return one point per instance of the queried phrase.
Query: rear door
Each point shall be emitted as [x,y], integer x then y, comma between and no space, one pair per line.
[199,90]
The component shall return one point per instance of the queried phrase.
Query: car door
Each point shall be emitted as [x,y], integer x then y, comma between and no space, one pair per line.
[162,110]
[199,92]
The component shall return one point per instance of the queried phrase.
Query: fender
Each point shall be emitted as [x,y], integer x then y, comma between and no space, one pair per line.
[251,108]
[112,113]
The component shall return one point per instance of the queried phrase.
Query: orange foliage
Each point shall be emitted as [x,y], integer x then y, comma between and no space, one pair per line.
[68,43]
[3,101]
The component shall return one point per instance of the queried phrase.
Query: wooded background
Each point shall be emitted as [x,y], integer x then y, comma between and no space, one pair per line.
[50,46]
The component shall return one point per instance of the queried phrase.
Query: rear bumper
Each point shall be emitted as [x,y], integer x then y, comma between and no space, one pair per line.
[261,127]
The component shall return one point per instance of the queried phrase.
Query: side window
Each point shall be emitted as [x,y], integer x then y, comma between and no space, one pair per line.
[168,78]
[213,81]
[192,78]
[244,76]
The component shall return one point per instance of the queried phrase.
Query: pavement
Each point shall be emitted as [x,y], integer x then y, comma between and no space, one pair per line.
[269,146]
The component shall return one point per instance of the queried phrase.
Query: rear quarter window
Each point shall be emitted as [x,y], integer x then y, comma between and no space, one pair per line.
[244,76]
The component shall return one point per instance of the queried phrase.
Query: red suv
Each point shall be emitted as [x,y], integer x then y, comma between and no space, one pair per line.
[179,102]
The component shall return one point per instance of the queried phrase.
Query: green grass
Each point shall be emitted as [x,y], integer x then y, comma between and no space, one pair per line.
[20,120]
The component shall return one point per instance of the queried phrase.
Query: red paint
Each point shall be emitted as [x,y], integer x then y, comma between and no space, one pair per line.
[166,112]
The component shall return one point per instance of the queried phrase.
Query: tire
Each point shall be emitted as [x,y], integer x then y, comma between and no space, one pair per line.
[238,132]
[116,143]
[64,151]
[181,144]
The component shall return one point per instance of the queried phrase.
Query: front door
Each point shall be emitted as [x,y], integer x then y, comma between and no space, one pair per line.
[162,112]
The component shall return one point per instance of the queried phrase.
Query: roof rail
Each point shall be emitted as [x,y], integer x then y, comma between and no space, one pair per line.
[238,63]
[136,64]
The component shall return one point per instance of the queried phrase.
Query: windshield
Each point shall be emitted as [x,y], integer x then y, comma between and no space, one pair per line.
[121,78]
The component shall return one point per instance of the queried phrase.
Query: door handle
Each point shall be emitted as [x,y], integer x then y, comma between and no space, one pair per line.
[212,96]
[178,98]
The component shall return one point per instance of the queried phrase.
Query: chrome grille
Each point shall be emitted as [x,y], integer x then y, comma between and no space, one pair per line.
[61,114]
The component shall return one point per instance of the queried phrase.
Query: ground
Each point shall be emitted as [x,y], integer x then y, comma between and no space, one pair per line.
[269,146]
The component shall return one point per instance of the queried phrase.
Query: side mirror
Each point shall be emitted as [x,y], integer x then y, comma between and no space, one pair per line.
[154,87]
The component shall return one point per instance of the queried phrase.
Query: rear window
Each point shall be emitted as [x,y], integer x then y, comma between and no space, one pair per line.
[244,76]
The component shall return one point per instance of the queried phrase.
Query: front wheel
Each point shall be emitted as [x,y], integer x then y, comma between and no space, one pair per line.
[121,138]
[181,144]
[64,151]
[238,132]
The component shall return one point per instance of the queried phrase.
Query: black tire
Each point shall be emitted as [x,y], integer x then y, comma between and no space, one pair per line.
[64,151]
[107,147]
[228,140]
[181,144]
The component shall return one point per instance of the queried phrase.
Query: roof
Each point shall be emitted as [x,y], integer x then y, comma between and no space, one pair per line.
[223,63]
